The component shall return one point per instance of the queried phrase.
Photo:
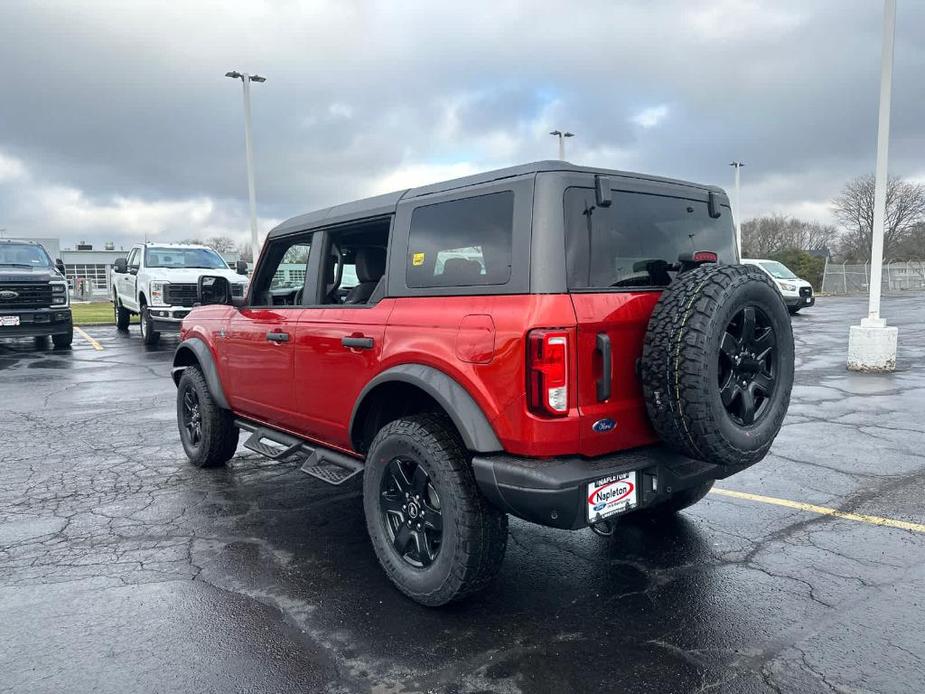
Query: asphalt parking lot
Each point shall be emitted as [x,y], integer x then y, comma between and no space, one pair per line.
[122,568]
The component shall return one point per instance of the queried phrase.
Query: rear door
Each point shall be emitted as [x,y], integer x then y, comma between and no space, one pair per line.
[618,260]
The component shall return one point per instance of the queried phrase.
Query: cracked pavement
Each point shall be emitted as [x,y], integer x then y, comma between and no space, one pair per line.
[123,568]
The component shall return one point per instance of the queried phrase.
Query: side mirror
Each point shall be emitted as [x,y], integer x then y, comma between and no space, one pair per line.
[241,267]
[120,266]
[59,266]
[213,289]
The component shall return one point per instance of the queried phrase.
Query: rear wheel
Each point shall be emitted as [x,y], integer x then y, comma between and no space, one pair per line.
[148,334]
[207,432]
[717,364]
[437,538]
[121,314]
[794,310]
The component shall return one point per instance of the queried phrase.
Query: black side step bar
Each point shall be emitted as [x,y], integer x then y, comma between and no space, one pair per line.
[322,463]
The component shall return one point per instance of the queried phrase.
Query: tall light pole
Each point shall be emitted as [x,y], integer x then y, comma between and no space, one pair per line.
[737,212]
[872,345]
[562,135]
[249,152]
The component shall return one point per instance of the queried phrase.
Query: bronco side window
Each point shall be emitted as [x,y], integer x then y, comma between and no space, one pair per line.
[462,243]
[280,280]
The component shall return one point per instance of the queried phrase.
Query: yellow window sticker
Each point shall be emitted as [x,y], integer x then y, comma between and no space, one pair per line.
[417,259]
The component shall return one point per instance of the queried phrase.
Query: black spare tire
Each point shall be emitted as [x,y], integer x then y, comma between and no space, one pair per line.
[717,364]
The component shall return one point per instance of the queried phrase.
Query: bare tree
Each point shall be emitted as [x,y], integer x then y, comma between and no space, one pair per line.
[222,244]
[762,237]
[854,208]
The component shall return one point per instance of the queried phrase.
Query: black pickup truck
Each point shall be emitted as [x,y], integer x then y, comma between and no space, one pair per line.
[34,299]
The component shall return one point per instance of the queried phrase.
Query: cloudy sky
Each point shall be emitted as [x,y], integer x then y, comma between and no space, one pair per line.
[116,120]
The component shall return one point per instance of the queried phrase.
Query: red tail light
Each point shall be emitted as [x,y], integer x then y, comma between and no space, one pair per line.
[547,372]
[705,257]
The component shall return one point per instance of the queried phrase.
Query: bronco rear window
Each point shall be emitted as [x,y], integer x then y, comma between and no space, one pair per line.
[462,243]
[635,241]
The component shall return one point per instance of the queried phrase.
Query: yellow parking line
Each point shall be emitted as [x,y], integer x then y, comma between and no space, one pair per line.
[823,510]
[96,345]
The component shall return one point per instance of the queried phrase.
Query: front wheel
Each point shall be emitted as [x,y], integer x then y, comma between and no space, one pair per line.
[437,538]
[207,432]
[148,334]
[63,340]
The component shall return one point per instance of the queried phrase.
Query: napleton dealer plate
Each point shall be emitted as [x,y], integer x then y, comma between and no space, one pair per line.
[611,495]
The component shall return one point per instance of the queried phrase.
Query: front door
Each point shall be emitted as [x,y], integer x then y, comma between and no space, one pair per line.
[259,341]
[339,343]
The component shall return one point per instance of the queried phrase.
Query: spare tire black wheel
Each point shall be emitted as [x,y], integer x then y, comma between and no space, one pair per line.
[717,364]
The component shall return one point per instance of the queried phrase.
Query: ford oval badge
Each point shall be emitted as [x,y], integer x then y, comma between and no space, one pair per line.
[603,425]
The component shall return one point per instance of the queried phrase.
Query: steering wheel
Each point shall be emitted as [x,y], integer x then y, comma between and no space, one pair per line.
[335,254]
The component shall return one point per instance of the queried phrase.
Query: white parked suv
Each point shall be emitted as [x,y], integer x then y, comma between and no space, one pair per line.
[797,293]
[160,283]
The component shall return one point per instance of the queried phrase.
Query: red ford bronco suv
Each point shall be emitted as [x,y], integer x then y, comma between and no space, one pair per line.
[563,344]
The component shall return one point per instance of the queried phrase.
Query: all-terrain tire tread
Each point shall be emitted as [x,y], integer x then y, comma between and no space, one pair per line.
[674,352]
[481,529]
[219,433]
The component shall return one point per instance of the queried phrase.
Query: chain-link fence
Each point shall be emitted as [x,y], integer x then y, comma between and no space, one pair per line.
[898,276]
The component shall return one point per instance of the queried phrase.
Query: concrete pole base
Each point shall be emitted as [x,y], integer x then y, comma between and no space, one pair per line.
[872,346]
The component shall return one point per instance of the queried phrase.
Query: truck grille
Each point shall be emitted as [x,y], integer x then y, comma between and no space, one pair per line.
[806,291]
[181,294]
[25,296]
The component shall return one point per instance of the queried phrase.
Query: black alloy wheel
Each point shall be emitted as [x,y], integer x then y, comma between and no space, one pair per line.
[411,512]
[747,365]
[191,416]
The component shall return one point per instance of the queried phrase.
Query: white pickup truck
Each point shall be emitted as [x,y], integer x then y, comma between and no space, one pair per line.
[160,283]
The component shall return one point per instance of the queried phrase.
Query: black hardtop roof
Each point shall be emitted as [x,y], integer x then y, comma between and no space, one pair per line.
[382,205]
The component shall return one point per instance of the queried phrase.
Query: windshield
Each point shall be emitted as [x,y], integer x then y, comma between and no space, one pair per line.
[23,255]
[778,270]
[637,241]
[184,257]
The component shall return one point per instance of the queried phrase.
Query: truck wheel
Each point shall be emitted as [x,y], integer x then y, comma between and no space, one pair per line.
[207,431]
[435,535]
[674,503]
[148,334]
[63,340]
[717,364]
[794,310]
[122,315]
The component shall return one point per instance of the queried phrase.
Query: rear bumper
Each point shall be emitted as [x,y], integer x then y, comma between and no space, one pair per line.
[38,322]
[552,492]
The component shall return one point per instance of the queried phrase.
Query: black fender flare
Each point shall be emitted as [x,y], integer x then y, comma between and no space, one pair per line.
[472,424]
[199,351]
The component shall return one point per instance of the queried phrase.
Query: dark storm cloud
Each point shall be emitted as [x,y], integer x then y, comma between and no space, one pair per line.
[116,118]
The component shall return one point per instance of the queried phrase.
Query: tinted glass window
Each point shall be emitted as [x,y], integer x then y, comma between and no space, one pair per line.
[778,270]
[184,257]
[23,255]
[462,243]
[637,241]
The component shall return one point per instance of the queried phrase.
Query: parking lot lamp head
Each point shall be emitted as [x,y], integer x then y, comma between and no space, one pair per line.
[561,135]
